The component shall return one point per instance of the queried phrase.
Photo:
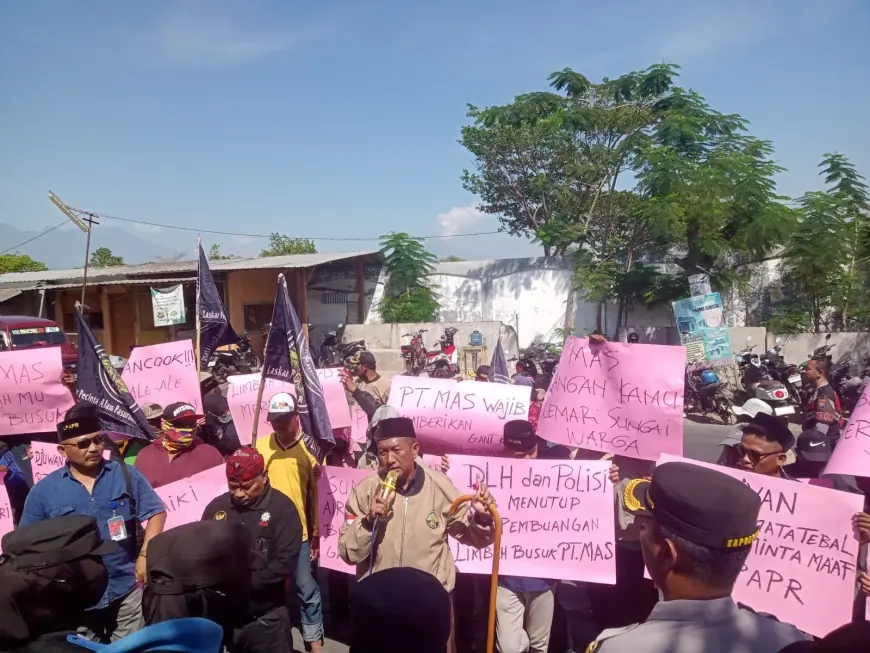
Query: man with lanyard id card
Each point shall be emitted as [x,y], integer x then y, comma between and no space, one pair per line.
[120,499]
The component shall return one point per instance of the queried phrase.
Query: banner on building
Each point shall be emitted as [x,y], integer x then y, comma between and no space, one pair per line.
[701,324]
[168,306]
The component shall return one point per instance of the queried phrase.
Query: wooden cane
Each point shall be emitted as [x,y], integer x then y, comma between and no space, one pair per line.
[493,583]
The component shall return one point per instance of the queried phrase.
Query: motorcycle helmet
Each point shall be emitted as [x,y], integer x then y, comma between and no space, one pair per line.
[708,377]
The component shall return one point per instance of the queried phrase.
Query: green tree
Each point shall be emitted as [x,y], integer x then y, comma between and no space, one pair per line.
[825,261]
[214,254]
[281,245]
[102,257]
[408,296]
[17,262]
[545,161]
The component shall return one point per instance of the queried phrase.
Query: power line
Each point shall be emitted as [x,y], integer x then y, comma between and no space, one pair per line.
[234,233]
[30,240]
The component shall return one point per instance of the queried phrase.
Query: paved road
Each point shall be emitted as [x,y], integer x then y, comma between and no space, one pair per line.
[701,442]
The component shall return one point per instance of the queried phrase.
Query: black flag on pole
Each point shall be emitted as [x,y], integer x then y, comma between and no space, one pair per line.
[215,329]
[498,367]
[99,383]
[288,359]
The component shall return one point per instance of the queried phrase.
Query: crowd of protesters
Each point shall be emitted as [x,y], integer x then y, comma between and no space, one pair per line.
[89,563]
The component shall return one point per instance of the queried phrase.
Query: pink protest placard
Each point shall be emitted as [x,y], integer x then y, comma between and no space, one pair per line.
[802,566]
[461,418]
[359,424]
[852,454]
[45,459]
[32,397]
[333,488]
[617,398]
[6,523]
[186,500]
[335,396]
[557,518]
[242,397]
[163,374]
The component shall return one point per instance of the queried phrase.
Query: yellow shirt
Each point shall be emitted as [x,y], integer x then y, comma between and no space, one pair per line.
[291,472]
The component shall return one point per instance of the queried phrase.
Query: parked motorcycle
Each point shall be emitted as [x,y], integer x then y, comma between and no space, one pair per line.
[242,359]
[706,394]
[786,373]
[333,353]
[417,358]
[758,382]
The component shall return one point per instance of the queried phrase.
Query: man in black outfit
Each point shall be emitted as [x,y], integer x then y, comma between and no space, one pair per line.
[276,530]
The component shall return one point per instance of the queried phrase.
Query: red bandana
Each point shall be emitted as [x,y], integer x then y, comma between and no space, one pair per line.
[244,465]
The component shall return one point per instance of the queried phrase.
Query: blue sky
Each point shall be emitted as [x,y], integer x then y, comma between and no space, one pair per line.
[342,118]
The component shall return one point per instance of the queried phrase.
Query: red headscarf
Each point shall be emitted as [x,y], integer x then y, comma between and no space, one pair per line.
[245,465]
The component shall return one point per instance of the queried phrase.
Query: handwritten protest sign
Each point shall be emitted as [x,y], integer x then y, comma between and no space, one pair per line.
[242,398]
[617,398]
[163,374]
[453,417]
[186,500]
[852,454]
[557,516]
[44,459]
[335,396]
[359,424]
[32,397]
[802,566]
[333,488]
[6,523]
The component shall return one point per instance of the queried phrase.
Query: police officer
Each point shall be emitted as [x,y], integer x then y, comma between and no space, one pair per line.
[697,529]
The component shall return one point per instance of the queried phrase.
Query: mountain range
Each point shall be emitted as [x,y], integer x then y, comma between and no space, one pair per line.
[64,248]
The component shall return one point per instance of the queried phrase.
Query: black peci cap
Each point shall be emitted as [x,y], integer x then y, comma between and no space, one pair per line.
[777,430]
[395,427]
[55,541]
[200,555]
[698,504]
[400,609]
[78,426]
[519,436]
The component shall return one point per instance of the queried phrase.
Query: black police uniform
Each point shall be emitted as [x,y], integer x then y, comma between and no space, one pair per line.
[716,511]
[276,532]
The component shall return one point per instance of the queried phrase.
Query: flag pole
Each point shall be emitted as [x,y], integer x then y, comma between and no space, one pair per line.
[262,380]
[198,325]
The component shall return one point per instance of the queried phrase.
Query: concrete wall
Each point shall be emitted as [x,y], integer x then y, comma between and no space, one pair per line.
[384,340]
[846,345]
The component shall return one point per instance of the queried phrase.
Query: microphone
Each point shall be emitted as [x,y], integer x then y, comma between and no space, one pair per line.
[388,485]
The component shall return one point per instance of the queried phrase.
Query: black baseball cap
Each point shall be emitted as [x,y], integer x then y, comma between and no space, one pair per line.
[519,436]
[181,414]
[813,446]
[200,555]
[779,431]
[367,358]
[55,541]
[698,504]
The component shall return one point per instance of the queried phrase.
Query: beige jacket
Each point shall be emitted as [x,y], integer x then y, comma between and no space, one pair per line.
[416,533]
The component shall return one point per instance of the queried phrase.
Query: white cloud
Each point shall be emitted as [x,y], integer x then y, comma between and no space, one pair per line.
[243,240]
[459,219]
[198,33]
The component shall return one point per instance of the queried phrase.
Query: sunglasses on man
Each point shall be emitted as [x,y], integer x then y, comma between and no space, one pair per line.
[87,442]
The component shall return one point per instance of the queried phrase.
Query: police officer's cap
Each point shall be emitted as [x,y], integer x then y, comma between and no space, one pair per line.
[55,541]
[698,504]
[400,609]
[200,555]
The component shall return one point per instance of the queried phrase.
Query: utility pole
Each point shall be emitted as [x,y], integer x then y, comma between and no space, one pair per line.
[84,220]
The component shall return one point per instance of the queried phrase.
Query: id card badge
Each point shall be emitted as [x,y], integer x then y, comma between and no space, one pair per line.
[117,529]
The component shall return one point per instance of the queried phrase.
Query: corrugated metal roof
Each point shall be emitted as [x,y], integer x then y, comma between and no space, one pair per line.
[6,295]
[125,273]
[126,282]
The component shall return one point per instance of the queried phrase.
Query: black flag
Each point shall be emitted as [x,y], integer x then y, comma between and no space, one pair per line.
[498,368]
[288,359]
[99,383]
[215,329]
